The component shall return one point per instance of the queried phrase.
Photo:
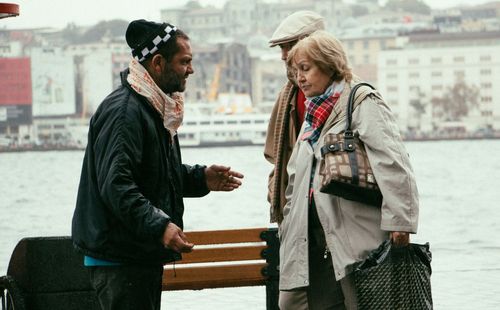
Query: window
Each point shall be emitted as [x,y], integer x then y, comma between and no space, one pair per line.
[205,123]
[383,44]
[414,75]
[437,74]
[459,74]
[392,76]
[436,60]
[366,43]
[485,58]
[392,89]
[485,85]
[485,71]
[486,99]
[437,87]
[413,61]
[391,62]
[486,113]
[366,59]
[458,59]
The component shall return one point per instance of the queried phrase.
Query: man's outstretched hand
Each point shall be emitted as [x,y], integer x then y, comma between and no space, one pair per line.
[221,178]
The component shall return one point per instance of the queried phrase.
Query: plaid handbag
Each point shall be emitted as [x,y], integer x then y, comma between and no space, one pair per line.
[395,278]
[345,170]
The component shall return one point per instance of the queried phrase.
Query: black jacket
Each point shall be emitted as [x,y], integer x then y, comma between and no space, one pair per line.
[132,183]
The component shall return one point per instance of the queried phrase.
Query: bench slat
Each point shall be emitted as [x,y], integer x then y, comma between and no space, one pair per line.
[225,236]
[196,278]
[222,254]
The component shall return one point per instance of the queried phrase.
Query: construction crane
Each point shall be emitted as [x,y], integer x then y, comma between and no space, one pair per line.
[214,86]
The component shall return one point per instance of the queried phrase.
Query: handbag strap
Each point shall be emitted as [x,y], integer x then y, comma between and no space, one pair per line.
[350,104]
[349,144]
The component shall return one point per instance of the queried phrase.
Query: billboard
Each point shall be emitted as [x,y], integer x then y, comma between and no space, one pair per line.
[15,81]
[13,115]
[97,79]
[53,81]
[15,91]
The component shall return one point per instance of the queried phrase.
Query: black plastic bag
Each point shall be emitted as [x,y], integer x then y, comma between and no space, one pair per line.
[395,278]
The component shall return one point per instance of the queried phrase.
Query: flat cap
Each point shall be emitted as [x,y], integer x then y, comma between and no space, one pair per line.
[296,26]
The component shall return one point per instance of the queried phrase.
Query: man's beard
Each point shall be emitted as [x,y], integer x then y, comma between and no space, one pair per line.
[173,83]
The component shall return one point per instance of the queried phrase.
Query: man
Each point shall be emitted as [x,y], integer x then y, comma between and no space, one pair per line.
[288,112]
[128,216]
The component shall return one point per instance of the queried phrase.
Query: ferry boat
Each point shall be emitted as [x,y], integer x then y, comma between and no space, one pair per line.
[202,127]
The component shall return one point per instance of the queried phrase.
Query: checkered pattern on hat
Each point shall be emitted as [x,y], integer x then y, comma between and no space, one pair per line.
[149,48]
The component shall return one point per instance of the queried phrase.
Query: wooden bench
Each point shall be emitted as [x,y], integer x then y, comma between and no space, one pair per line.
[46,273]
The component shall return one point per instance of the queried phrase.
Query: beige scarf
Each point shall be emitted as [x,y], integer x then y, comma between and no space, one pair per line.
[170,107]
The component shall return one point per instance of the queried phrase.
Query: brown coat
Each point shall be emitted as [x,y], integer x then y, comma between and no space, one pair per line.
[281,137]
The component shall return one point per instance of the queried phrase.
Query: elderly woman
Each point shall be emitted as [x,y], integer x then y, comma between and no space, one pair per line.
[322,235]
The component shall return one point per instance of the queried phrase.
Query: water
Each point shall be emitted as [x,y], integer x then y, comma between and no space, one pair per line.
[458,192]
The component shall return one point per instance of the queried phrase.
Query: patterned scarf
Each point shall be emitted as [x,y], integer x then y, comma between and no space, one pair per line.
[170,107]
[318,111]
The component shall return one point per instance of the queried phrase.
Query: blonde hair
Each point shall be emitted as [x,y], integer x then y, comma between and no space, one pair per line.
[325,51]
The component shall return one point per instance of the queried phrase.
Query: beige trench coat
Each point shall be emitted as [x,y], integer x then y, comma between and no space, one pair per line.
[352,229]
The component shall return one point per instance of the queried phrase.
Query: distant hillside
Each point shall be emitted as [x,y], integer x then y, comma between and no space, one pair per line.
[110,29]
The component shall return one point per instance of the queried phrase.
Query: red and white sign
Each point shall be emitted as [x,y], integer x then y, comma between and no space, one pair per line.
[15,81]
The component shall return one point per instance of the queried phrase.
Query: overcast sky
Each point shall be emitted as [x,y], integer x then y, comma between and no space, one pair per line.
[58,13]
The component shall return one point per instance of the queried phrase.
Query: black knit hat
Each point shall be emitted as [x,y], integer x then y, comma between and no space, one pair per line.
[145,37]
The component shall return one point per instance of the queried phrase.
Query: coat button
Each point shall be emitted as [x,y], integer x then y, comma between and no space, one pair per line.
[306,282]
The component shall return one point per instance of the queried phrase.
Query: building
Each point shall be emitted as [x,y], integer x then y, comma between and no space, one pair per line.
[202,24]
[366,36]
[16,100]
[413,77]
[268,73]
[97,68]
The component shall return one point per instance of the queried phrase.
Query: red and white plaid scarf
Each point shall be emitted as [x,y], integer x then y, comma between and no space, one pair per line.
[319,109]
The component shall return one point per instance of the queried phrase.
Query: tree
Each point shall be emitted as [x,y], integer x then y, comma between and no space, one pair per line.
[457,102]
[71,33]
[111,28]
[410,6]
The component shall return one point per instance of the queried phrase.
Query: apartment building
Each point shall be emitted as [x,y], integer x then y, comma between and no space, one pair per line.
[429,66]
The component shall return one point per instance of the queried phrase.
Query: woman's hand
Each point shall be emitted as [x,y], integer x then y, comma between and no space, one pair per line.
[221,178]
[400,238]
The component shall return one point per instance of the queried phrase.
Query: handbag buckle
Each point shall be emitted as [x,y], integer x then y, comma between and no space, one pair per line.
[348,134]
[349,141]
[349,145]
